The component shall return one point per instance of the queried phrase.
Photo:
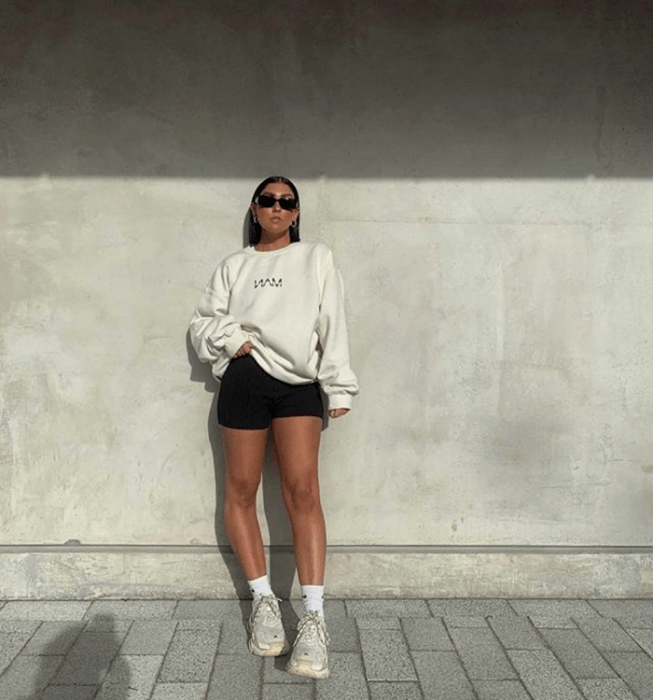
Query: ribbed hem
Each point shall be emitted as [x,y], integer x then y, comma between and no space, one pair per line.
[339,401]
[235,341]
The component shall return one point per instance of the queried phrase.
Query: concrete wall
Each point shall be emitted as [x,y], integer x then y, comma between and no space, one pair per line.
[483,175]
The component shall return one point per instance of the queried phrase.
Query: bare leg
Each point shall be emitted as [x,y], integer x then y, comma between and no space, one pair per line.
[296,443]
[244,454]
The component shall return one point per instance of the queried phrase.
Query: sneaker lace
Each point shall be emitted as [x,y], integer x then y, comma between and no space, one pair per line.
[268,605]
[311,627]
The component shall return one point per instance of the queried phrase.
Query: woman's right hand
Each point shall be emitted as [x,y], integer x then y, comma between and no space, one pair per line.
[244,349]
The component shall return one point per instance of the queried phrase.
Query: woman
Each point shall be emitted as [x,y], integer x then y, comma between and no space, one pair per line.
[271,322]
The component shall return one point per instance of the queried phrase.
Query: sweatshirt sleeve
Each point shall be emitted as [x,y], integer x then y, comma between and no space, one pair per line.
[214,333]
[335,375]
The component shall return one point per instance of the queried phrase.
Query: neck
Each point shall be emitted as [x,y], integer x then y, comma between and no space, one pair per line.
[271,242]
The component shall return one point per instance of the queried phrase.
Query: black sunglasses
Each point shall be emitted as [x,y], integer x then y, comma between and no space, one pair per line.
[267,200]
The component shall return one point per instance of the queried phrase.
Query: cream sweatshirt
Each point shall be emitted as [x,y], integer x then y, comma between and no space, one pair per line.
[289,303]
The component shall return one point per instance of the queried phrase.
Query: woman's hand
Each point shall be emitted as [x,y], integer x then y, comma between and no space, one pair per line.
[244,349]
[337,412]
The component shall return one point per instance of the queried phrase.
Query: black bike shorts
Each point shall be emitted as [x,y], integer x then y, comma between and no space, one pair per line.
[250,398]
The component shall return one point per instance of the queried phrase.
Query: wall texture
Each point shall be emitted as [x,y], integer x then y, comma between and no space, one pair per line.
[483,175]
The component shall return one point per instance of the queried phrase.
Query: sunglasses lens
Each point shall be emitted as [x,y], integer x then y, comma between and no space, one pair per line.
[267,200]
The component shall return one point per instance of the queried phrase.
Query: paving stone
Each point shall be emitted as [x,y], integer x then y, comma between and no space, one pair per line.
[616,608]
[500,690]
[53,638]
[382,623]
[636,670]
[644,638]
[467,622]
[179,691]
[395,691]
[44,610]
[554,608]
[343,634]
[216,609]
[634,621]
[106,623]
[28,675]
[387,608]
[577,655]
[426,634]
[471,608]
[274,671]
[281,692]
[236,676]
[190,656]
[606,635]
[441,676]
[334,609]
[132,609]
[291,612]
[20,626]
[69,692]
[551,622]
[212,624]
[386,656]
[233,639]
[11,644]
[605,689]
[89,658]
[517,633]
[482,655]
[346,680]
[130,678]
[148,637]
[543,675]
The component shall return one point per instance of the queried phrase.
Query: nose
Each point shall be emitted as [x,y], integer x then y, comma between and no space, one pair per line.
[276,206]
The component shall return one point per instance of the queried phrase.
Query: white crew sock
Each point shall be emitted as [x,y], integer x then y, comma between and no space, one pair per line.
[260,586]
[313,597]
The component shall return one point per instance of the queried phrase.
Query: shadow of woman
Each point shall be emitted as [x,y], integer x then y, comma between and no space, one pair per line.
[91,667]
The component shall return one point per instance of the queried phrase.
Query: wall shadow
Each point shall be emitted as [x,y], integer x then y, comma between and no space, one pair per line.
[91,660]
[372,89]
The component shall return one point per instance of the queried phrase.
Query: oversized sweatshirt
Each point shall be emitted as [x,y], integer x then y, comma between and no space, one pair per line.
[289,303]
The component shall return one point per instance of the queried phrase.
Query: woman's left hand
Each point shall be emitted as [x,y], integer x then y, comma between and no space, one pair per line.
[337,412]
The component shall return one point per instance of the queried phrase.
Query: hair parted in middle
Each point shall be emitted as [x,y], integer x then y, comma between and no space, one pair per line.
[253,226]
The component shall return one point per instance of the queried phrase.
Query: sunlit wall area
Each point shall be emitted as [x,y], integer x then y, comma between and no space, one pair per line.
[484,176]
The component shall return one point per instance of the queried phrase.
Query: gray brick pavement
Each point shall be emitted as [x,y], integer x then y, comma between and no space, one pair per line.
[577,655]
[409,649]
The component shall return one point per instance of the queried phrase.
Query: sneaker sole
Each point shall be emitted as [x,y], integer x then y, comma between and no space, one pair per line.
[299,668]
[276,649]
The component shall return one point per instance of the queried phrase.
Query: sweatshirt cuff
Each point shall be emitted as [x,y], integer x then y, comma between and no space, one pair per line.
[339,401]
[233,343]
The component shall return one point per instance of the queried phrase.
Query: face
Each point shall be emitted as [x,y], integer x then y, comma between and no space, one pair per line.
[274,219]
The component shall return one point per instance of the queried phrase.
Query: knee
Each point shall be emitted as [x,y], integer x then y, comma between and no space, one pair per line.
[240,494]
[302,498]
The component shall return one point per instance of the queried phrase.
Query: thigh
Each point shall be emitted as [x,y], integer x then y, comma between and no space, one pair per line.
[296,444]
[244,455]
[241,402]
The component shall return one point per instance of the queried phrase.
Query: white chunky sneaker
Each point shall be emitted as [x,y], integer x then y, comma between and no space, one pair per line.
[267,636]
[309,654]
